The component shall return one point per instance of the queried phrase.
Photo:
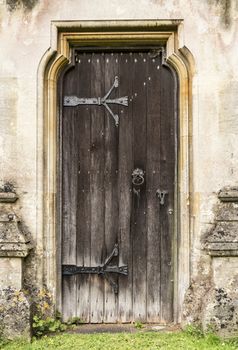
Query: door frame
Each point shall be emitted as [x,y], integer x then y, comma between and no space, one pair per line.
[65,36]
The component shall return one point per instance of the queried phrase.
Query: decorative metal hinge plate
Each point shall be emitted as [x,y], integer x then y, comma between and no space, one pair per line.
[103,269]
[71,101]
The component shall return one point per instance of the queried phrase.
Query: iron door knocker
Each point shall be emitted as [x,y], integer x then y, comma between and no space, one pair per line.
[138,180]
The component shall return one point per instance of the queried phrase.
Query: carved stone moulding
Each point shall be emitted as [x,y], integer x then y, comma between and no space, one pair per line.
[223,239]
[8,197]
[13,241]
[228,194]
[7,193]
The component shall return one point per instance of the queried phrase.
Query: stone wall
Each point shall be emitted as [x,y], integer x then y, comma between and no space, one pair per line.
[210,32]
[212,298]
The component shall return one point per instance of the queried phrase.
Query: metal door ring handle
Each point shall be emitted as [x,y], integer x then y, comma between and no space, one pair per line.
[138,177]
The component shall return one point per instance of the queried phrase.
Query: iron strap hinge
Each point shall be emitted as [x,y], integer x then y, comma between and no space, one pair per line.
[68,270]
[104,269]
[72,101]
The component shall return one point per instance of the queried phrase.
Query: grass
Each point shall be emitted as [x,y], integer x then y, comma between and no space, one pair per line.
[126,341]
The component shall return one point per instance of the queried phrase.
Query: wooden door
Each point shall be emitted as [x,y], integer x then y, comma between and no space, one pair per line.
[118,187]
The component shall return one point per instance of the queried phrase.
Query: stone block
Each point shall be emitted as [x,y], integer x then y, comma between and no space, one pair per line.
[15,314]
[227,212]
[13,241]
[225,272]
[228,194]
[8,197]
[10,272]
[14,306]
[221,309]
[223,239]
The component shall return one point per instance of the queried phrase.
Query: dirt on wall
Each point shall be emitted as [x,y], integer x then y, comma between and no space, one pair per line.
[26,4]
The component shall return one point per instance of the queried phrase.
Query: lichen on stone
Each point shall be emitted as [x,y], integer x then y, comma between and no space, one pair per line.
[7,187]
[15,314]
[26,4]
[221,314]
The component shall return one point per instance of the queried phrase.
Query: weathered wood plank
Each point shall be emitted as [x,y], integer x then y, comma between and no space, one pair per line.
[69,198]
[167,150]
[125,312]
[111,185]
[69,297]
[82,77]
[97,189]
[153,183]
[139,206]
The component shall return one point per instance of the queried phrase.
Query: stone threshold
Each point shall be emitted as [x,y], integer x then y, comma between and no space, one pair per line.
[136,327]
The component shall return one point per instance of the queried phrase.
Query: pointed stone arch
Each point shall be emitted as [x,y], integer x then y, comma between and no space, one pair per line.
[64,36]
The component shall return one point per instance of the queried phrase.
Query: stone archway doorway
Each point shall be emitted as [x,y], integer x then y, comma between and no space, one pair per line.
[66,37]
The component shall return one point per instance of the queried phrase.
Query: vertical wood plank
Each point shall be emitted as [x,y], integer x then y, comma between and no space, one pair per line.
[69,199]
[97,189]
[111,185]
[167,163]
[82,75]
[139,208]
[125,312]
[153,183]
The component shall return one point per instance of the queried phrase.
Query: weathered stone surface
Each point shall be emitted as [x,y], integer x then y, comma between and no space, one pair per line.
[10,272]
[228,194]
[223,239]
[42,303]
[26,4]
[212,300]
[14,306]
[224,232]
[195,300]
[222,311]
[8,197]
[227,212]
[13,241]
[14,314]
